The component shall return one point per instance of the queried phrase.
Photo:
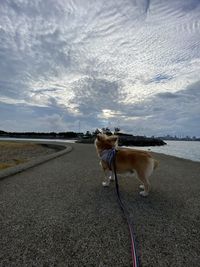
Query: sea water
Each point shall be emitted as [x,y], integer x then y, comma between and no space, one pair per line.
[182,149]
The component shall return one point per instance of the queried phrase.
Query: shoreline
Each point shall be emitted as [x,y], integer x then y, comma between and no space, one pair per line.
[54,144]
[172,156]
[189,150]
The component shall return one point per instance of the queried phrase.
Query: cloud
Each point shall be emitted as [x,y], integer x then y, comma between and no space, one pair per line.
[176,113]
[94,95]
[99,63]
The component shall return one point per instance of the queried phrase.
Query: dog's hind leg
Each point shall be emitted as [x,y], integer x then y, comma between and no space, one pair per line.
[146,188]
[145,184]
[144,175]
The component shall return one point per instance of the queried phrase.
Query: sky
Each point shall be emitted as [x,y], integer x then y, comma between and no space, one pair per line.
[74,65]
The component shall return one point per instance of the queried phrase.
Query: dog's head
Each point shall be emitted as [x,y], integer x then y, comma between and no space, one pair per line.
[104,142]
[113,139]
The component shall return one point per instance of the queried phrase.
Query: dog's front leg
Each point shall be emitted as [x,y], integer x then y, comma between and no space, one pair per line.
[107,178]
[105,170]
[112,176]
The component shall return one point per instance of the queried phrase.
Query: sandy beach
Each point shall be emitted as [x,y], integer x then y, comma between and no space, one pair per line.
[58,214]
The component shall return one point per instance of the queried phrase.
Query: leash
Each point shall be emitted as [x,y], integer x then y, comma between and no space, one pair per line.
[135,258]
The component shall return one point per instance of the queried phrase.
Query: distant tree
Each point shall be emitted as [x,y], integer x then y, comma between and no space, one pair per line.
[3,132]
[106,131]
[117,130]
[88,134]
[52,134]
[97,131]
[68,135]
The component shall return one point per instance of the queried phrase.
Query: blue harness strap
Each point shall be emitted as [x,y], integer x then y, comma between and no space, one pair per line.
[108,156]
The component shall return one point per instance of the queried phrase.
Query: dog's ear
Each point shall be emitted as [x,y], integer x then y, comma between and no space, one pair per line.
[113,138]
[99,136]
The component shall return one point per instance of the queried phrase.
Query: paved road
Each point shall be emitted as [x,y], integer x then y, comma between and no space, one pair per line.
[57,214]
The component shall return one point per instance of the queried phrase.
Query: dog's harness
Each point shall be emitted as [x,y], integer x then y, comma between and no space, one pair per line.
[109,157]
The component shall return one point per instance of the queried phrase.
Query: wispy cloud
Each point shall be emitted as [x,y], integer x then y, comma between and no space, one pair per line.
[133,63]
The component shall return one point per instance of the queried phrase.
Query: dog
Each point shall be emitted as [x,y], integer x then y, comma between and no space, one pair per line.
[127,160]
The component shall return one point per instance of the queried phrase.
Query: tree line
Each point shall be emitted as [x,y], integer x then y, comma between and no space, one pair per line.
[69,134]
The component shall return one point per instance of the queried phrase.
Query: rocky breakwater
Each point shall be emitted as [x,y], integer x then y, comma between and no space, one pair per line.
[129,140]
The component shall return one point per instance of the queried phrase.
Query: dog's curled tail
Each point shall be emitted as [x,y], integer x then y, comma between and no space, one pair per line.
[156,163]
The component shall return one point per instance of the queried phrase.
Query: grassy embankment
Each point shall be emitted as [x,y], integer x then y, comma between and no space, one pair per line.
[13,153]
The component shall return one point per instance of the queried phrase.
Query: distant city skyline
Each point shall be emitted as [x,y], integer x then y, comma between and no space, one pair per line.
[79,65]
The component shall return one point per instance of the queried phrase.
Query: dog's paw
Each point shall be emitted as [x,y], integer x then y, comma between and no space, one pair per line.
[144,193]
[111,178]
[141,186]
[105,184]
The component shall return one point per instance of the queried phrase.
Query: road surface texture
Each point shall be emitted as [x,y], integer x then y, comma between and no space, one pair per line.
[58,214]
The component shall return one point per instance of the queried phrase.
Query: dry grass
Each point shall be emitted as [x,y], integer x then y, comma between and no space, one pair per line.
[5,165]
[14,153]
[15,145]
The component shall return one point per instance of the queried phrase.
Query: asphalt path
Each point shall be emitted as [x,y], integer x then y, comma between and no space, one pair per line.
[58,214]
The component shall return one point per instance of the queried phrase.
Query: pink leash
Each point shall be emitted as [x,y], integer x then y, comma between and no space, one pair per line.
[135,258]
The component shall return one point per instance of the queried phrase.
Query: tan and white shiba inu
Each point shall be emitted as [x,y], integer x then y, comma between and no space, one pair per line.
[126,160]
